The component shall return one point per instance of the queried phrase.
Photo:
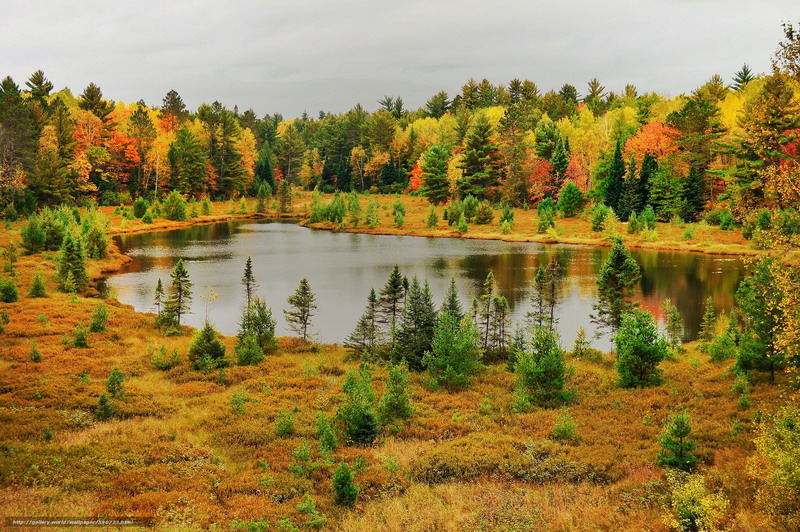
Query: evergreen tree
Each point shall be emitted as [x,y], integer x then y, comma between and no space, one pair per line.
[559,161]
[344,489]
[206,351]
[570,200]
[365,337]
[71,272]
[38,287]
[708,326]
[303,303]
[417,323]
[456,353]
[188,164]
[480,163]
[257,321]
[618,275]
[674,324]
[114,384]
[357,411]
[484,315]
[395,402]
[390,304]
[742,77]
[435,185]
[640,349]
[694,202]
[452,304]
[677,447]
[327,437]
[538,316]
[92,100]
[614,186]
[541,370]
[431,218]
[630,194]
[646,172]
[180,298]
[249,280]
[758,300]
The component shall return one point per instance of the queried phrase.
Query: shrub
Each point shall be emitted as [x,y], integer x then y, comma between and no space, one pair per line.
[140,207]
[599,214]
[633,224]
[99,318]
[284,424]
[396,402]
[302,465]
[239,402]
[507,215]
[206,350]
[484,213]
[547,219]
[570,200]
[206,207]
[722,348]
[344,489]
[640,349]
[247,350]
[469,207]
[160,361]
[462,224]
[8,290]
[307,507]
[174,207]
[357,412]
[541,370]
[453,212]
[505,228]
[114,384]
[38,286]
[105,407]
[693,508]
[565,428]
[80,338]
[726,221]
[327,438]
[257,320]
[648,218]
[148,217]
[36,355]
[371,214]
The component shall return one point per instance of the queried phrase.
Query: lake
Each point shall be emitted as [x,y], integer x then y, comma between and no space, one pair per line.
[342,267]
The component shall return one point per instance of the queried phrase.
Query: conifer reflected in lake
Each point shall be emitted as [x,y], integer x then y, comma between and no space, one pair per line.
[342,267]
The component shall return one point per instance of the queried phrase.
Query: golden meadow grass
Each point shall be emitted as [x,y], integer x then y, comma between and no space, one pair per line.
[176,450]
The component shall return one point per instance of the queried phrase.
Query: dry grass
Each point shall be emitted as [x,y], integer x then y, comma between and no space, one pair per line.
[176,450]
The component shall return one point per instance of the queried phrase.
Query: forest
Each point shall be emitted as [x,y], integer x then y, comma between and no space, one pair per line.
[430,414]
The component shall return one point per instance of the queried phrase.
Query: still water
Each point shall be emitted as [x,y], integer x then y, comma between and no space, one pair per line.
[342,267]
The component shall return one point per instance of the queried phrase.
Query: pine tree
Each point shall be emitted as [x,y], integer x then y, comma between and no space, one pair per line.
[541,370]
[303,303]
[38,287]
[327,437]
[180,298]
[676,446]
[646,172]
[630,194]
[257,321]
[480,163]
[415,332]
[365,337]
[344,490]
[436,186]
[114,384]
[357,411]
[674,324]
[71,272]
[614,186]
[206,351]
[395,402]
[456,353]
[452,304]
[538,315]
[431,218]
[390,304]
[559,161]
[248,280]
[694,202]
[617,277]
[708,326]
[484,316]
[158,296]
[742,77]
[640,349]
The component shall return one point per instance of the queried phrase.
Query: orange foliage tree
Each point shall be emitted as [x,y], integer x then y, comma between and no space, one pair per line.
[654,138]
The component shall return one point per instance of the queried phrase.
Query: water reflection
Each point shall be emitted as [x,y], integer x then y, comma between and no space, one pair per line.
[342,267]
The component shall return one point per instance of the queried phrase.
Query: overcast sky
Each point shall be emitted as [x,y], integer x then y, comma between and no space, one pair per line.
[293,55]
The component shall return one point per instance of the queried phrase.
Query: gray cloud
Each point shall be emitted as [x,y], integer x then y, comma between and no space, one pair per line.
[297,55]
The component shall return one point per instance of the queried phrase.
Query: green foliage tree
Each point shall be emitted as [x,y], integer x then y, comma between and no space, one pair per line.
[452,303]
[435,183]
[344,489]
[481,161]
[677,447]
[357,411]
[674,326]
[99,318]
[618,275]
[640,349]
[8,290]
[303,308]
[115,383]
[179,301]
[456,353]
[206,351]
[614,186]
[570,200]
[71,271]
[417,322]
[174,207]
[327,437]
[396,401]
[541,370]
